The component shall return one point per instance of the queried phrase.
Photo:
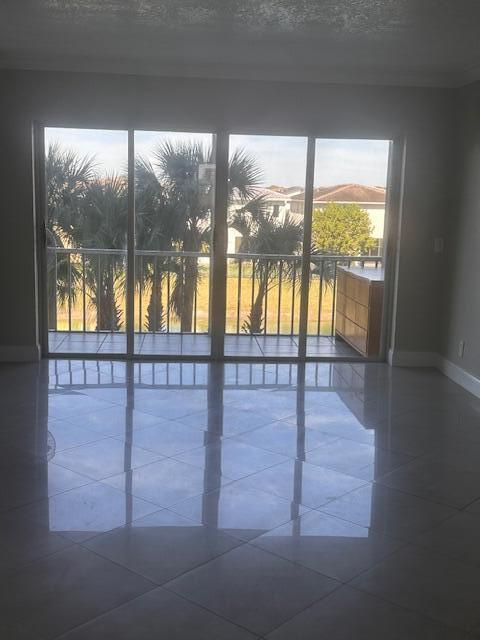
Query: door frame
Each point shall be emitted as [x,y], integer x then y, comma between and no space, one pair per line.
[40,210]
[218,253]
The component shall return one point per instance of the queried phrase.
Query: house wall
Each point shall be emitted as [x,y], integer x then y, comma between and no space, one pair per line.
[377,220]
[461,311]
[421,117]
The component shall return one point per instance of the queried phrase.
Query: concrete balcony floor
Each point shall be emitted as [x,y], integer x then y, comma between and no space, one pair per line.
[196,345]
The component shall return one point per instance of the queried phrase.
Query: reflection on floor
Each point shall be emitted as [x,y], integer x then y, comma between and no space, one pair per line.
[196,345]
[237,501]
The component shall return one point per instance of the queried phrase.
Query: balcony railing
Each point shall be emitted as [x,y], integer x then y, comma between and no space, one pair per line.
[87,291]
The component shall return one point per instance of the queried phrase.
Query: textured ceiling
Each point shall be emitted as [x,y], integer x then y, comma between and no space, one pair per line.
[423,42]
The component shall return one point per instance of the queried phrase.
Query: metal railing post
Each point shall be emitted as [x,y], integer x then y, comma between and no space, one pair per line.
[239,294]
[84,295]
[334,297]
[56,289]
[279,304]
[69,292]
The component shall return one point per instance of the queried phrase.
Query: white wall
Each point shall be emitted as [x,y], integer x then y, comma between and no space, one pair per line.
[377,220]
[461,311]
[421,116]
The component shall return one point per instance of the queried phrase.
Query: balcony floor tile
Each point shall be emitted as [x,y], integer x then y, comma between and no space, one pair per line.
[173,344]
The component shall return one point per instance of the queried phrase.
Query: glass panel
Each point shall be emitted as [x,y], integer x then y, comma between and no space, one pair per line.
[86,187]
[174,202]
[348,219]
[265,232]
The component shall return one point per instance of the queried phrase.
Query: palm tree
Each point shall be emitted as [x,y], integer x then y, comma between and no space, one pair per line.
[67,178]
[85,211]
[155,217]
[174,209]
[103,220]
[262,233]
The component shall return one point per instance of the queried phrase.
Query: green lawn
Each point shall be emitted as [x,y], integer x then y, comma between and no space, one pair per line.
[232,307]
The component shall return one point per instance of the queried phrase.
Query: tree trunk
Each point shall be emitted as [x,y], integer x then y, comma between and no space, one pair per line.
[256,312]
[106,312]
[155,313]
[52,299]
[190,273]
[52,277]
[108,316]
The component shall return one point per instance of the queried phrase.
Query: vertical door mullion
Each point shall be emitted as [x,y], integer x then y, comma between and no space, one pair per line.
[307,243]
[393,207]
[131,245]
[41,233]
[219,249]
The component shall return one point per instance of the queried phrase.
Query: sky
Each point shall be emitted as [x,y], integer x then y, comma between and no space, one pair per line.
[283,158]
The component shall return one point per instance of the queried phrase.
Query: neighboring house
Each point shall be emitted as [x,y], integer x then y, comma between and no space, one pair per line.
[283,201]
[277,200]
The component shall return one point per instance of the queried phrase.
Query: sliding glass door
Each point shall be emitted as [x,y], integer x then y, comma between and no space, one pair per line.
[174,209]
[265,240]
[291,267]
[346,286]
[86,240]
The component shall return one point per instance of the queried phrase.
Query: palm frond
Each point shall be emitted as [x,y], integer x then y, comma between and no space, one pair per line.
[244,175]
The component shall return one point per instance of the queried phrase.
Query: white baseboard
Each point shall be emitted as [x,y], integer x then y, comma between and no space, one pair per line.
[19,353]
[412,358]
[459,375]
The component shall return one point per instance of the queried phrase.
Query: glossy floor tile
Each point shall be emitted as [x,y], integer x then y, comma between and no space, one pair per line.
[301,482]
[284,438]
[235,584]
[429,583]
[227,420]
[436,479]
[238,501]
[457,537]
[167,482]
[333,547]
[18,630]
[114,420]
[335,419]
[355,458]
[23,482]
[241,513]
[168,438]
[347,614]
[388,511]
[66,589]
[234,459]
[159,614]
[162,545]
[85,512]
[60,435]
[104,458]
[22,539]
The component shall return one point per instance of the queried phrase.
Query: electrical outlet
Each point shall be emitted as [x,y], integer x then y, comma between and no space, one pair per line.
[461,348]
[438,245]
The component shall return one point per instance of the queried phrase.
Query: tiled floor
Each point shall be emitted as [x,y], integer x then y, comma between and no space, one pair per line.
[239,501]
[197,345]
